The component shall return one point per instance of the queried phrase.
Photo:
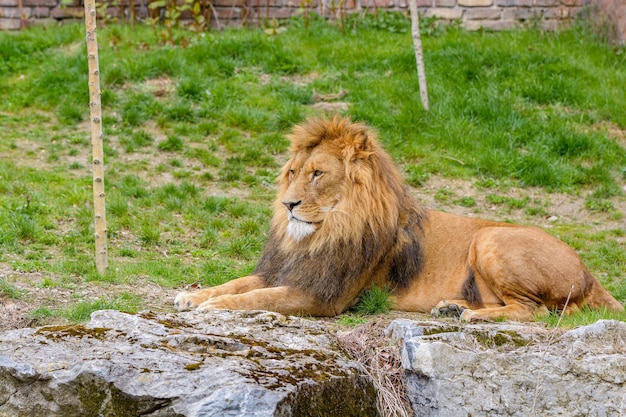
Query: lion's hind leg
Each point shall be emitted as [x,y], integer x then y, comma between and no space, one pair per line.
[513,310]
[489,312]
[449,308]
[528,271]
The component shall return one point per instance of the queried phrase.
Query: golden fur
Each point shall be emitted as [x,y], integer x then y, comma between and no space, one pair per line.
[344,221]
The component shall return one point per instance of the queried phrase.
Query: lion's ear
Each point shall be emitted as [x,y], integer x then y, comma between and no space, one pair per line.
[360,147]
[362,142]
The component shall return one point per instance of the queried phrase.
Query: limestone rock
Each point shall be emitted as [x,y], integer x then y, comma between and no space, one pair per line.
[189,364]
[513,370]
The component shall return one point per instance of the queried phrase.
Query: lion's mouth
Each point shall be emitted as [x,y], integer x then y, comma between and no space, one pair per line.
[293,218]
[298,229]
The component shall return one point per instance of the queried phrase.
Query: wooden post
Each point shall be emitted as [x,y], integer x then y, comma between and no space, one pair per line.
[20,10]
[96,138]
[419,55]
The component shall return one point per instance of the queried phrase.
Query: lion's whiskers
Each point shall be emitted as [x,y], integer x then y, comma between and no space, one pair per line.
[333,210]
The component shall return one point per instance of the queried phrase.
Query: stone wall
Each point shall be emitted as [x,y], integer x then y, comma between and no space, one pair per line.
[609,19]
[473,14]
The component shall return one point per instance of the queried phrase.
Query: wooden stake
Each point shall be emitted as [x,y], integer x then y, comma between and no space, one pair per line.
[96,138]
[20,10]
[419,55]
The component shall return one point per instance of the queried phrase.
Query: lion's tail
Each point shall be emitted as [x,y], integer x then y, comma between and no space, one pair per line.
[599,298]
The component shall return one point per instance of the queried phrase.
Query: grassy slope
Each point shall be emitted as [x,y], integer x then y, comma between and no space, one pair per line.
[194,140]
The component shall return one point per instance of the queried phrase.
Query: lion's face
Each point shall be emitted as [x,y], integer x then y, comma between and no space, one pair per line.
[337,186]
[313,183]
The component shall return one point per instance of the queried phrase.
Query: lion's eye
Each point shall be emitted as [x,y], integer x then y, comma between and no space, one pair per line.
[317,173]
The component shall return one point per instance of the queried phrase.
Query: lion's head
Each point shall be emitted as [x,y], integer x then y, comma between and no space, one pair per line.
[337,182]
[341,206]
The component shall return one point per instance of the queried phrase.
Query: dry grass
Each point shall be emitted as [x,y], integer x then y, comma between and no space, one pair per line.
[380,359]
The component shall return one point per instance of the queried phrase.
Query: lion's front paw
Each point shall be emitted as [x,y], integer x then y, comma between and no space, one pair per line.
[224,302]
[210,305]
[447,309]
[186,301]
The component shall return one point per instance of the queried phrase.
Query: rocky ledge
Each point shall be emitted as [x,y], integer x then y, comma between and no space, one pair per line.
[264,364]
[189,364]
[513,370]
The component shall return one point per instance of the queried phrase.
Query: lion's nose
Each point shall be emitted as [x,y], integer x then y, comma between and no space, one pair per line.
[291,204]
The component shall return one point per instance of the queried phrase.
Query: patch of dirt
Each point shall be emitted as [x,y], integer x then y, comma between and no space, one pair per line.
[160,87]
[614,132]
[17,313]
[551,207]
[301,80]
[329,102]
[334,107]
[13,314]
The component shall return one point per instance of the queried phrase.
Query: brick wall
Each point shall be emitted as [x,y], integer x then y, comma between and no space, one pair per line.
[473,14]
[609,19]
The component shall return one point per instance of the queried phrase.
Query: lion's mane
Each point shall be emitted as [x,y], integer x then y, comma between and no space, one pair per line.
[373,231]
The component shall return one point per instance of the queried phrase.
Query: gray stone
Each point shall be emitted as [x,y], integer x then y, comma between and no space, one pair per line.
[514,370]
[496,25]
[10,24]
[217,363]
[483,14]
[444,13]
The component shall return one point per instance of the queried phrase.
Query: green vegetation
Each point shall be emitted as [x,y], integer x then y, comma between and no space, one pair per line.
[81,310]
[580,318]
[10,291]
[194,137]
[375,300]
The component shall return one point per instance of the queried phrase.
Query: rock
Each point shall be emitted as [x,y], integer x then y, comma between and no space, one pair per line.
[513,369]
[217,363]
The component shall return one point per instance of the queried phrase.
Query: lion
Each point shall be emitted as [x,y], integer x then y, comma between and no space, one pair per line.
[344,221]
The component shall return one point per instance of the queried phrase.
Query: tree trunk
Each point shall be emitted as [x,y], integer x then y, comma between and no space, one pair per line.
[96,138]
[419,55]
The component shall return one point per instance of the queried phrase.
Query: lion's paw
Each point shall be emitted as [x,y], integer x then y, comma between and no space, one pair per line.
[186,301]
[447,309]
[470,316]
[211,305]
[224,302]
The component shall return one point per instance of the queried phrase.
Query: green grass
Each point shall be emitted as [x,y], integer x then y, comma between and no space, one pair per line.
[80,311]
[9,290]
[194,137]
[581,318]
[374,300]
